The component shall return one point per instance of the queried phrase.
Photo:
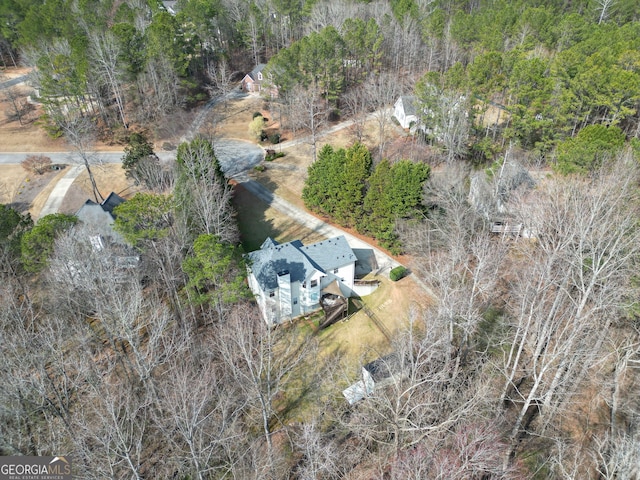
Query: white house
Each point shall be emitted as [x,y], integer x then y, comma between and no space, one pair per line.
[405,111]
[288,279]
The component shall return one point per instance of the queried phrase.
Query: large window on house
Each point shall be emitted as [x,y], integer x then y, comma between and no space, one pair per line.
[314,283]
[336,270]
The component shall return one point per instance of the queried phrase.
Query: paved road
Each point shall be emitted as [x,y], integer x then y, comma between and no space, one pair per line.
[12,82]
[307,140]
[70,157]
[234,156]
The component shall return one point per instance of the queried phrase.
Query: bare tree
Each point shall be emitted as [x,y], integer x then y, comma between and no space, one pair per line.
[327,13]
[320,458]
[104,51]
[470,451]
[203,194]
[425,395]
[382,91]
[79,132]
[568,290]
[34,394]
[617,457]
[309,112]
[221,78]
[111,429]
[357,106]
[444,116]
[37,164]
[605,7]
[262,361]
[19,107]
[201,413]
[136,324]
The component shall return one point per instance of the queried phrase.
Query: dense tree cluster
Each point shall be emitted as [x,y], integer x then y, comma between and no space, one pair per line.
[342,185]
[551,69]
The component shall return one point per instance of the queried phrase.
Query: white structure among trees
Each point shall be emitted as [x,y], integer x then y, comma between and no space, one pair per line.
[404,110]
[288,279]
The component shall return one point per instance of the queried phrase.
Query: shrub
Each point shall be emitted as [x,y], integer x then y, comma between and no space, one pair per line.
[37,164]
[272,155]
[275,138]
[397,273]
[256,114]
[256,127]
[259,168]
[263,136]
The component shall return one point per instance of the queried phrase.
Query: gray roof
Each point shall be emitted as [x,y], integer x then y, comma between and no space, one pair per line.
[409,104]
[98,218]
[384,367]
[300,261]
[257,69]
[272,260]
[329,254]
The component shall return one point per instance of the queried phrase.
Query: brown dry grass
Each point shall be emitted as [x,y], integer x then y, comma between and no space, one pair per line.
[109,177]
[28,137]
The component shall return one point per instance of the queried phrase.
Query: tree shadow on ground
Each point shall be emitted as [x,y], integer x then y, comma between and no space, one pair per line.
[251,216]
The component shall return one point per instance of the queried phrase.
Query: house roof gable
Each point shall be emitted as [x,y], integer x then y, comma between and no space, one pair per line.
[408,104]
[111,202]
[253,74]
[301,261]
[330,254]
[268,262]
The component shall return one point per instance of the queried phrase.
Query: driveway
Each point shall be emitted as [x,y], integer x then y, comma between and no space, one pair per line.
[13,81]
[309,221]
[236,156]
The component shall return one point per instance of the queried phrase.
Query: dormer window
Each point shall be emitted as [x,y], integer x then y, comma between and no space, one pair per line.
[336,270]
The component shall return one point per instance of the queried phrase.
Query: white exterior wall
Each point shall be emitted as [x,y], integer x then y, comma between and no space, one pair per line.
[309,297]
[399,113]
[284,294]
[367,379]
[280,307]
[345,274]
[268,305]
[295,300]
